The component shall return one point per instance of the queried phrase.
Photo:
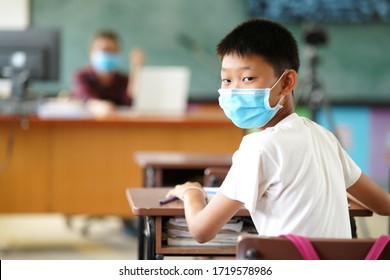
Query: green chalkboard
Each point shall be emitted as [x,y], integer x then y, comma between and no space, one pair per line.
[172,32]
[355,64]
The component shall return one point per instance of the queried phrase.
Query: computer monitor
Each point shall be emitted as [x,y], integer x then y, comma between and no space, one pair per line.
[29,54]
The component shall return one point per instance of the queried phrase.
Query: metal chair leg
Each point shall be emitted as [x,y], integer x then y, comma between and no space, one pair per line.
[141,238]
[151,238]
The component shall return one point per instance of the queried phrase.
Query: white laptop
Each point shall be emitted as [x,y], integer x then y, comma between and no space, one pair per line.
[162,90]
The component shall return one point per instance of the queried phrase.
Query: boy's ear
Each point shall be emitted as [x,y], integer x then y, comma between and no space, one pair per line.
[290,81]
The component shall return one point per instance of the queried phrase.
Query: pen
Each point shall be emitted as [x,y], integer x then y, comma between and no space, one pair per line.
[169,199]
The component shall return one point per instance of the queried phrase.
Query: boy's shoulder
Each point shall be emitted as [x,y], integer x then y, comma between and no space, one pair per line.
[293,126]
[291,120]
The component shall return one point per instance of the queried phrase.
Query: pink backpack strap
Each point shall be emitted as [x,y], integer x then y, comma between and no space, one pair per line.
[376,249]
[303,245]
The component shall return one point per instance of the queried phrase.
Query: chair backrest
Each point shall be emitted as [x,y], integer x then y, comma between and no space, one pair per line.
[214,176]
[280,248]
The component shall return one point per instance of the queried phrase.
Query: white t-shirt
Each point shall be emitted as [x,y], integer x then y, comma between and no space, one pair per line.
[293,178]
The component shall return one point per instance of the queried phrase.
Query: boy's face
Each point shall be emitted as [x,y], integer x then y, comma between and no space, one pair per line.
[250,71]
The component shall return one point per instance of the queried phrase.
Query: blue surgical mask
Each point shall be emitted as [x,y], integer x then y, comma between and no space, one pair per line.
[105,62]
[248,108]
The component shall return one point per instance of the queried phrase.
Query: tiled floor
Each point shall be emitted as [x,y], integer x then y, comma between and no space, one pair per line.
[47,237]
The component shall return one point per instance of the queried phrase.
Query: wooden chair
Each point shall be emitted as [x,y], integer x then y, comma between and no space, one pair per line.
[254,247]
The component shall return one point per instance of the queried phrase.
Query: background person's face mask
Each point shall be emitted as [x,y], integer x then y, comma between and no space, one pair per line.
[105,62]
[248,108]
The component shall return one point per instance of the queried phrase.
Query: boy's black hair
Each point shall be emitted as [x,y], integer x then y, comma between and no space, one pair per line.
[107,34]
[265,38]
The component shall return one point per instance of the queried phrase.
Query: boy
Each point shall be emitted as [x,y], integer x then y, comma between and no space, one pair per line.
[292,175]
[101,84]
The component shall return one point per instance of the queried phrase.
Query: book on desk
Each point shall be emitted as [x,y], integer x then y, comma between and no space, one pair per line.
[177,233]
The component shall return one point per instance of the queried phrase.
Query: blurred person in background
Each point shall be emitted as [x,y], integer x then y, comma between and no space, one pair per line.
[101,84]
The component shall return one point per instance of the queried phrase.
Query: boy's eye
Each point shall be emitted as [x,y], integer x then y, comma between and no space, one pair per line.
[247,79]
[226,81]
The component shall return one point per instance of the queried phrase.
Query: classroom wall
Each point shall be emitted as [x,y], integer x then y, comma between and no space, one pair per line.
[364,132]
[172,32]
[355,64]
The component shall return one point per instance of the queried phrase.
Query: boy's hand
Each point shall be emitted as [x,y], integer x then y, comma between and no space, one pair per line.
[137,57]
[100,108]
[179,190]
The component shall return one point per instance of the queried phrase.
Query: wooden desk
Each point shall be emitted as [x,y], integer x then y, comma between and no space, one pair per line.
[83,166]
[171,168]
[144,203]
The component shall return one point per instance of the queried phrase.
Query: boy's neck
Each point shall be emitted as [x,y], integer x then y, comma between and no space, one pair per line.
[283,113]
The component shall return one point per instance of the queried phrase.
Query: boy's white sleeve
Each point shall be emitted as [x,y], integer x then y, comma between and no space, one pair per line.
[245,179]
[351,170]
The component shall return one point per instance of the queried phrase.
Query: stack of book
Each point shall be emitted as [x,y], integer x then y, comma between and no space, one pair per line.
[178,234]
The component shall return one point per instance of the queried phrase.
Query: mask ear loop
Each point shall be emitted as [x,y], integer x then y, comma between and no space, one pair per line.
[281,76]
[280,100]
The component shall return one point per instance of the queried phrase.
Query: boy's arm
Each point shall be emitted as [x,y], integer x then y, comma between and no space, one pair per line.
[205,220]
[371,195]
[137,60]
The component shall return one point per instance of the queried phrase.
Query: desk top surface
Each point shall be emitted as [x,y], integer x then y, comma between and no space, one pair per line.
[145,202]
[169,159]
[197,115]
